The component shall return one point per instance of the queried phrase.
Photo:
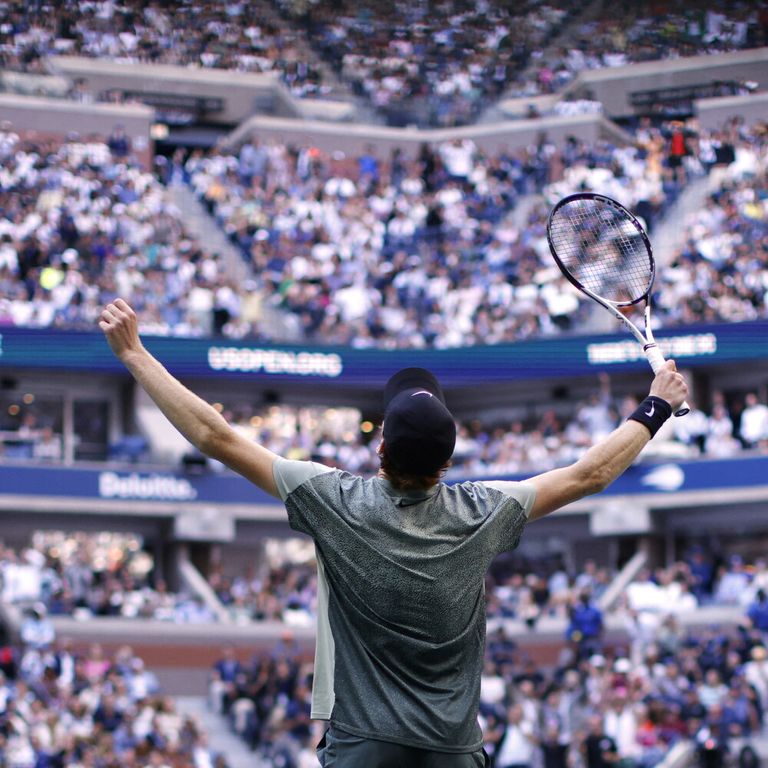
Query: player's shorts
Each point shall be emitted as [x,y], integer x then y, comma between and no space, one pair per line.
[338,749]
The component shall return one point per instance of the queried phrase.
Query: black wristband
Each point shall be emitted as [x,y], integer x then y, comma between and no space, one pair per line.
[652,413]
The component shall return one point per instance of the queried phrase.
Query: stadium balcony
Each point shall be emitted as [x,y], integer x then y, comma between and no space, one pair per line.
[206,104]
[435,70]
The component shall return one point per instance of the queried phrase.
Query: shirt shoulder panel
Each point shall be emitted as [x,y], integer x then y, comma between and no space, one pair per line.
[290,474]
[523,493]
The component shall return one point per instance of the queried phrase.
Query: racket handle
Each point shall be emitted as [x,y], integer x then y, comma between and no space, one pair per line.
[656,359]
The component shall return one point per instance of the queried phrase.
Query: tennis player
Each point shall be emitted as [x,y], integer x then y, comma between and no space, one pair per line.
[401,557]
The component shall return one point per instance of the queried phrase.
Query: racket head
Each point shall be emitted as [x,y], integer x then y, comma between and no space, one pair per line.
[601,248]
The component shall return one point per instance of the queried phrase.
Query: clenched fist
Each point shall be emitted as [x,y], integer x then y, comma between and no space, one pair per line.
[121,327]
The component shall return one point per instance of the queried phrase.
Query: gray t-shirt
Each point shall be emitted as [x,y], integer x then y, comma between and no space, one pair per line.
[401,599]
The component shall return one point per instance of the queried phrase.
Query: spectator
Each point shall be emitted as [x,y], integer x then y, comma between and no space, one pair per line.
[119,143]
[37,630]
[732,582]
[585,628]
[754,422]
[620,723]
[757,612]
[756,675]
[740,716]
[694,432]
[677,150]
[225,677]
[702,573]
[712,741]
[720,440]
[712,692]
[516,748]
[599,749]
[554,750]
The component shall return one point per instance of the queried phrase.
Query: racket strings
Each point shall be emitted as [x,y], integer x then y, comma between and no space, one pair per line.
[602,249]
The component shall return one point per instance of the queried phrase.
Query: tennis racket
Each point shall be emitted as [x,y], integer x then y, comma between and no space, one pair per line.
[604,251]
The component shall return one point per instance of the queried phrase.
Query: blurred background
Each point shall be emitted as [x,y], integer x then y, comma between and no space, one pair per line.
[300,197]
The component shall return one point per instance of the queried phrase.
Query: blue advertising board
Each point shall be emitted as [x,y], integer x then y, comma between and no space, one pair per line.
[177,488]
[109,484]
[554,357]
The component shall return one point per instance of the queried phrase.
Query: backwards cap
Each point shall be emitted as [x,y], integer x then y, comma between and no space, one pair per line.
[419,430]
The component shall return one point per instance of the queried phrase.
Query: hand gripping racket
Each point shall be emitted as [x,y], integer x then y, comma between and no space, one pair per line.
[604,251]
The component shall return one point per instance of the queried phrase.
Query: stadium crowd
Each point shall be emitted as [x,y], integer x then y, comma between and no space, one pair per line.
[66,707]
[632,704]
[286,592]
[513,442]
[665,685]
[518,440]
[436,65]
[60,705]
[84,576]
[528,588]
[647,31]
[430,65]
[719,274]
[414,251]
[420,251]
[246,36]
[525,589]
[82,222]
[425,251]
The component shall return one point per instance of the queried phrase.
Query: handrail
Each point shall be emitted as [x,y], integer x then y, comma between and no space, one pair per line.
[610,597]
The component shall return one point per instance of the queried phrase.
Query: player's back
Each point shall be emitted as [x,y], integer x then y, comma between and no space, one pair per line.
[401,578]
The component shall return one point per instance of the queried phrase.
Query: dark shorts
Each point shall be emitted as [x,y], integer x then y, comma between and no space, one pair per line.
[338,749]
[675,161]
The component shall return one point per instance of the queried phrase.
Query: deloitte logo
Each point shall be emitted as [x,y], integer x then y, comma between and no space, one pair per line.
[136,486]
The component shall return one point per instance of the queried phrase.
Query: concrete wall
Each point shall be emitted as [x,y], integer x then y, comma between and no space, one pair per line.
[713,113]
[62,116]
[353,138]
[27,84]
[262,107]
[242,94]
[613,86]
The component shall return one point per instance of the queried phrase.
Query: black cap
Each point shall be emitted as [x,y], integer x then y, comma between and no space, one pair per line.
[419,431]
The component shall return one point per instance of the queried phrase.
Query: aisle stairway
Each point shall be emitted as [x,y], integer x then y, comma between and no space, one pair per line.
[282,327]
[669,235]
[204,228]
[221,738]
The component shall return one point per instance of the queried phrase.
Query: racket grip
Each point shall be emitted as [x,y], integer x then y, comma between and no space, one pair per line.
[656,359]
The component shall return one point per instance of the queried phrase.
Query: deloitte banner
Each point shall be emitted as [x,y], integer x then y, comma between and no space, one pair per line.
[180,490]
[560,356]
[109,484]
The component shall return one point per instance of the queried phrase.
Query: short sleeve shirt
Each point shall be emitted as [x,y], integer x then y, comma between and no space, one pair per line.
[401,600]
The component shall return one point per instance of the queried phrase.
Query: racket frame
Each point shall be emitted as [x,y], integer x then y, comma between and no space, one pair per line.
[647,341]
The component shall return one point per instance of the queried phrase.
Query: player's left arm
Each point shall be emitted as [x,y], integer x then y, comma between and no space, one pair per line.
[608,459]
[197,420]
[592,473]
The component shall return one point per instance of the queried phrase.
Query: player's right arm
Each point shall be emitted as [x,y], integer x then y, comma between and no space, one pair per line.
[197,420]
[604,462]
